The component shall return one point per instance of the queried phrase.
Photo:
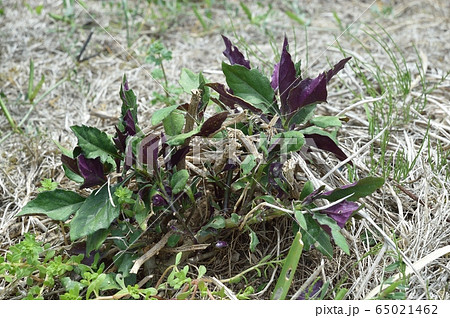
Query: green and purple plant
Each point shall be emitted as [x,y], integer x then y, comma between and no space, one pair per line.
[140,183]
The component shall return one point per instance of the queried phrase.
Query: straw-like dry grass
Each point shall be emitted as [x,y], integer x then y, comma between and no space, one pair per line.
[415,207]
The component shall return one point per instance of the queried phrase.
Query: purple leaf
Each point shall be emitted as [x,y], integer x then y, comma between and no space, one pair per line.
[306,92]
[337,68]
[325,143]
[212,124]
[233,54]
[313,195]
[91,170]
[230,100]
[230,165]
[312,91]
[130,126]
[158,200]
[286,76]
[70,163]
[177,157]
[311,290]
[327,193]
[275,75]
[341,212]
[120,140]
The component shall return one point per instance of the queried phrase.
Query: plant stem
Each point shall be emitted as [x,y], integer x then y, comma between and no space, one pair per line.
[227,189]
[166,82]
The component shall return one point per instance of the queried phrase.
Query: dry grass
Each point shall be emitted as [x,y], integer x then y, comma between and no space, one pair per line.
[416,207]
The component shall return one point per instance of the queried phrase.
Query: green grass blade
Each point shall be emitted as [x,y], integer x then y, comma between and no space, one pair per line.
[36,89]
[295,18]
[290,266]
[30,80]
[200,18]
[247,11]
[8,117]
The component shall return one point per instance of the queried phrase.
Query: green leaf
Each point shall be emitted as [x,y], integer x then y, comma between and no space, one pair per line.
[360,189]
[96,213]
[319,131]
[178,181]
[72,175]
[248,164]
[301,220]
[290,266]
[267,198]
[69,284]
[179,139]
[293,140]
[316,236]
[57,204]
[339,239]
[94,143]
[128,101]
[174,123]
[64,151]
[308,188]
[201,271]
[95,240]
[290,141]
[250,85]
[254,241]
[326,121]
[162,113]
[173,240]
[302,115]
[141,213]
[188,80]
[218,222]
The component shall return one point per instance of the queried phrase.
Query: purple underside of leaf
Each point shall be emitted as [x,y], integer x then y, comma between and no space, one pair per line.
[286,76]
[178,156]
[126,86]
[80,248]
[120,140]
[274,78]
[158,200]
[91,170]
[212,124]
[230,100]
[341,212]
[308,91]
[312,196]
[130,126]
[325,143]
[70,163]
[337,68]
[233,54]
[148,151]
[311,290]
[230,165]
[327,193]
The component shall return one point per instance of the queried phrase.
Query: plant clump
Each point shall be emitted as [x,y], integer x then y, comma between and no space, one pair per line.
[189,181]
